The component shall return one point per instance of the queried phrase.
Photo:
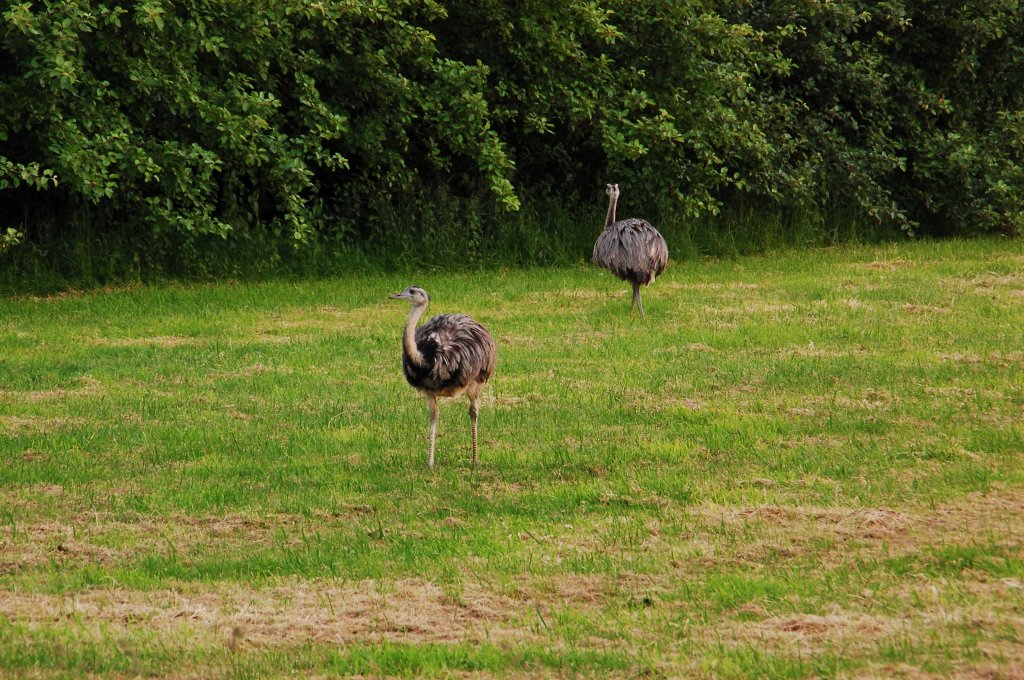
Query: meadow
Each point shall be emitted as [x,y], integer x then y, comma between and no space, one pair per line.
[806,463]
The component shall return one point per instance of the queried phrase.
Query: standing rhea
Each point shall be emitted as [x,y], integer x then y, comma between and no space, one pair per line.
[632,249]
[448,356]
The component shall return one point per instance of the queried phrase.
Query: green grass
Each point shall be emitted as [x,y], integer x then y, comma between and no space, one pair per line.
[807,463]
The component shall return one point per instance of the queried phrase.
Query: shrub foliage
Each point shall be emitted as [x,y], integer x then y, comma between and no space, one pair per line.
[159,123]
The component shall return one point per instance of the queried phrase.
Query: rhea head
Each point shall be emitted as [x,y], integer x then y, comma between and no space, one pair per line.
[414,294]
[612,190]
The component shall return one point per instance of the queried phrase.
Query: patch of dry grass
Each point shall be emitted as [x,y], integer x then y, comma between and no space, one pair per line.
[291,613]
[12,425]
[796,466]
[165,341]
[87,386]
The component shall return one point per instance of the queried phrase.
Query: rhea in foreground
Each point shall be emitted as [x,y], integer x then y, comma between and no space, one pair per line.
[632,249]
[448,356]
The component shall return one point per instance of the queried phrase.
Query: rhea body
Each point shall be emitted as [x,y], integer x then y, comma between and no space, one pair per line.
[632,249]
[449,356]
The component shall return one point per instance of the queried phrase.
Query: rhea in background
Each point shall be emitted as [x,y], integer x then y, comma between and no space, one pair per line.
[448,356]
[631,249]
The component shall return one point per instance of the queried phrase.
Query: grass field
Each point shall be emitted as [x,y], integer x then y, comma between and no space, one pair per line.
[804,464]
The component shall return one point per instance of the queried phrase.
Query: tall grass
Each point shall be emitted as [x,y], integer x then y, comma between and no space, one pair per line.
[439,233]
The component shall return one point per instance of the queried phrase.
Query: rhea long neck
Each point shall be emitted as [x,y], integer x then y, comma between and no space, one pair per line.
[610,218]
[409,337]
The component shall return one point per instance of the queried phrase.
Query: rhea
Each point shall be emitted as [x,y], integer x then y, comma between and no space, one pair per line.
[448,356]
[631,249]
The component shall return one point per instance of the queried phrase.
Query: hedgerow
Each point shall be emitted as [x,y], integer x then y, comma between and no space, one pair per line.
[157,127]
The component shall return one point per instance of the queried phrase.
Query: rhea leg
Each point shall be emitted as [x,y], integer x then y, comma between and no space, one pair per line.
[433,427]
[636,300]
[474,411]
[640,302]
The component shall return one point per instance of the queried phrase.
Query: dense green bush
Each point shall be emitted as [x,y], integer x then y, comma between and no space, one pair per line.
[911,111]
[138,131]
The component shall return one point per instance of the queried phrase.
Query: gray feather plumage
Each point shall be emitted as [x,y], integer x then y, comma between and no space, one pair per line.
[633,250]
[457,351]
[448,356]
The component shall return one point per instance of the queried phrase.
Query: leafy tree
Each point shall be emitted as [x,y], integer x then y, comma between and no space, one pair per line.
[154,126]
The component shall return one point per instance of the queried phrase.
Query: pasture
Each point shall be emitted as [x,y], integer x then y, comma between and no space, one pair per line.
[802,464]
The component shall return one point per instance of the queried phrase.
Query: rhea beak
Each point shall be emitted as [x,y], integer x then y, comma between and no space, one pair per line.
[398,296]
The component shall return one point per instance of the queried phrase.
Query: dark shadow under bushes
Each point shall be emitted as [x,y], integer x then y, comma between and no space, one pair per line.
[746,228]
[443,233]
[452,233]
[448,232]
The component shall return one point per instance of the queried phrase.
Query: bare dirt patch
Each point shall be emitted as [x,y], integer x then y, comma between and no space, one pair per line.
[99,538]
[152,341]
[937,617]
[888,265]
[14,425]
[272,339]
[834,536]
[1001,511]
[993,279]
[813,441]
[992,285]
[854,303]
[292,613]
[307,323]
[589,339]
[501,490]
[259,368]
[965,393]
[916,309]
[583,294]
[868,400]
[685,348]
[808,633]
[752,308]
[519,399]
[869,523]
[688,285]
[521,341]
[87,386]
[814,351]
[996,358]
